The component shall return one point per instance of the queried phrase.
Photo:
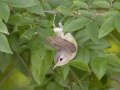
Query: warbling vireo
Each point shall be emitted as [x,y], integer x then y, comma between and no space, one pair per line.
[65,45]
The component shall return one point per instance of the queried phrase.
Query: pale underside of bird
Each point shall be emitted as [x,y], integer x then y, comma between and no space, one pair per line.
[65,45]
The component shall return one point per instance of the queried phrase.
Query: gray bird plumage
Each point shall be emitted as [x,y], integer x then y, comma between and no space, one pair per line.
[61,44]
[65,45]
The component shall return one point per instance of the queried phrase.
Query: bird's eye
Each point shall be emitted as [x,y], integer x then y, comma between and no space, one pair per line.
[61,59]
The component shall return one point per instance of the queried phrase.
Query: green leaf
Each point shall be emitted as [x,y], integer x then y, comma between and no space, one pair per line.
[97,53]
[102,4]
[76,87]
[45,32]
[3,28]
[116,5]
[63,71]
[81,37]
[21,20]
[4,11]
[20,3]
[86,13]
[112,59]
[102,43]
[68,21]
[4,61]
[22,29]
[33,82]
[83,54]
[21,64]
[4,45]
[92,31]
[36,42]
[45,23]
[107,26]
[100,19]
[56,3]
[76,24]
[37,9]
[46,6]
[28,33]
[111,13]
[65,11]
[53,86]
[117,23]
[44,83]
[59,81]
[80,4]
[99,66]
[113,69]
[14,41]
[104,80]
[78,64]
[41,61]
[90,2]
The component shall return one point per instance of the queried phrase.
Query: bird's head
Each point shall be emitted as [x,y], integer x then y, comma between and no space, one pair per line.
[61,58]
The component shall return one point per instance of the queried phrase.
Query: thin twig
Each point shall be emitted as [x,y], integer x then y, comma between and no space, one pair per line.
[112,36]
[6,76]
[69,82]
[77,79]
[78,13]
[95,15]
[89,73]
[19,57]
[111,4]
[114,78]
[51,12]
[14,83]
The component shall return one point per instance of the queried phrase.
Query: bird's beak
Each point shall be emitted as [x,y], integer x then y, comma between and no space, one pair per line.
[54,67]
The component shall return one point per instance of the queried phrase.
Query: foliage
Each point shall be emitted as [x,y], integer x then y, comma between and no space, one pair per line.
[95,25]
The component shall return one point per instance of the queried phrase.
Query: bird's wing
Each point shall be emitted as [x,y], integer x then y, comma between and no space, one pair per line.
[61,44]
[70,38]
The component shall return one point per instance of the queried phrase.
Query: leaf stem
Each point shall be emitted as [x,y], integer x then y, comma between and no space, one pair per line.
[16,87]
[112,36]
[77,79]
[6,76]
[18,56]
[89,73]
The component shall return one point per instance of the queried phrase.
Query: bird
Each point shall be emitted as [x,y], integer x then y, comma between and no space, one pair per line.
[65,45]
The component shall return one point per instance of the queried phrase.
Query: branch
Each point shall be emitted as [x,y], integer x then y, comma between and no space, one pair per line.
[19,57]
[89,73]
[78,13]
[111,4]
[77,79]
[51,12]
[6,76]
[16,87]
[114,78]
[112,36]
